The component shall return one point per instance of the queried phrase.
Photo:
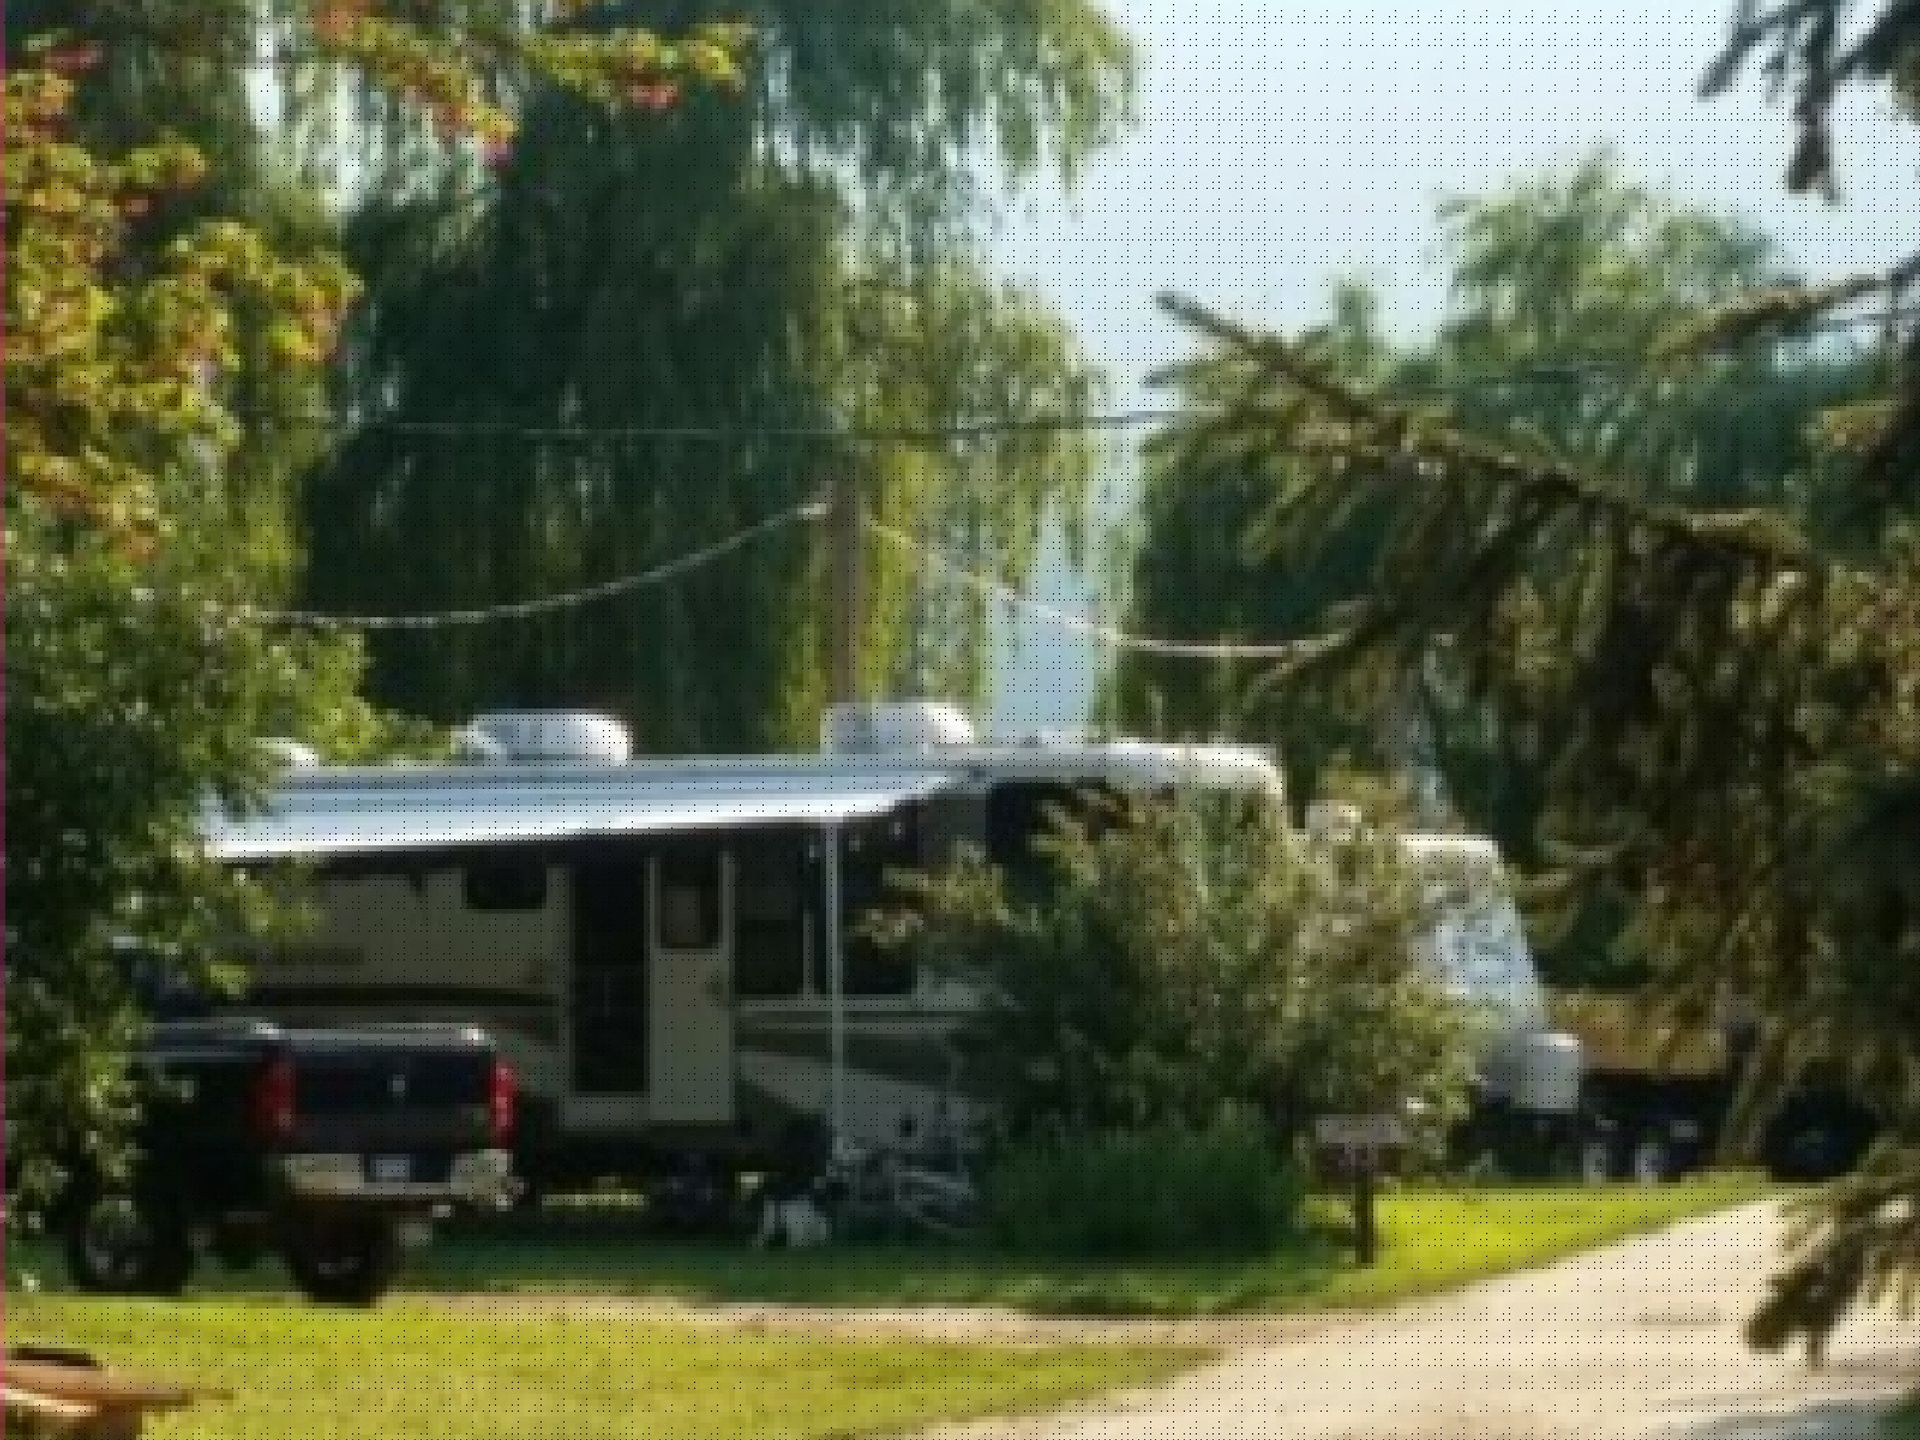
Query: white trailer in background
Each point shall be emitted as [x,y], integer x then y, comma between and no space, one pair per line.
[668,949]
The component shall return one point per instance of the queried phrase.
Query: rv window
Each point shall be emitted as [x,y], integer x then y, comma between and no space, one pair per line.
[873,853]
[505,885]
[690,900]
[772,889]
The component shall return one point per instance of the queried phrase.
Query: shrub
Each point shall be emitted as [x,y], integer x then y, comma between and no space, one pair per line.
[1165,1188]
[1186,954]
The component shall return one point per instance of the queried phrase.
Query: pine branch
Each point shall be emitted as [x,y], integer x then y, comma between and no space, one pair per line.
[1390,432]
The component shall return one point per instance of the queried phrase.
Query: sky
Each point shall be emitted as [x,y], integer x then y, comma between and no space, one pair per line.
[1283,144]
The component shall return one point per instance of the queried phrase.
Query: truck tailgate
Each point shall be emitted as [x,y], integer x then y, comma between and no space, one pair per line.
[398,1094]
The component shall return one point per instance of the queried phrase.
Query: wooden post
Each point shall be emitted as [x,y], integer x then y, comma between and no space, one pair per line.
[1356,1145]
[1366,1230]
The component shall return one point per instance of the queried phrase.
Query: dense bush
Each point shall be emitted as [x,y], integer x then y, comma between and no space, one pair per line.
[1162,1188]
[1189,954]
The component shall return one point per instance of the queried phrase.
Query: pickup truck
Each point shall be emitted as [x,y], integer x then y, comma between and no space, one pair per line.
[334,1147]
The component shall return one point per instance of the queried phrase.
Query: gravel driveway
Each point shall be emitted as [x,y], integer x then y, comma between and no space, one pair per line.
[1641,1339]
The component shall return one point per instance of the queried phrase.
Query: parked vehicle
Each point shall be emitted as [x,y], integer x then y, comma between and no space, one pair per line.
[1656,1100]
[670,950]
[333,1147]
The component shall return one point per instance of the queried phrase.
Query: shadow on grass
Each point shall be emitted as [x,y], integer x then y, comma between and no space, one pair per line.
[535,1256]
[613,1259]
[1433,1238]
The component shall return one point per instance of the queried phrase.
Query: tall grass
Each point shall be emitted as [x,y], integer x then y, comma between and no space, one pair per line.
[1163,1190]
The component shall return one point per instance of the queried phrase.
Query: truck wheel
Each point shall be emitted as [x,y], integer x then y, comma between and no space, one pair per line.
[1650,1160]
[118,1244]
[350,1262]
[1806,1152]
[1597,1162]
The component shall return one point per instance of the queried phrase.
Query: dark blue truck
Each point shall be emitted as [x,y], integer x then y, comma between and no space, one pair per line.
[334,1148]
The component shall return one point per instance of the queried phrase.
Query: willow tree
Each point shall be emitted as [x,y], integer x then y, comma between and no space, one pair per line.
[1724,703]
[637,335]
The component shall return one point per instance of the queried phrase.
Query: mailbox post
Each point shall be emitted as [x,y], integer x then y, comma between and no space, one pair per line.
[1357,1144]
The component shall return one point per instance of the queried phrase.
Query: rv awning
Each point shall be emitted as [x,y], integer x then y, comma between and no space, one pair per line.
[316,820]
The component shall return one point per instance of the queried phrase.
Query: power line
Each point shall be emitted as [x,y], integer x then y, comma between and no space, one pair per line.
[1109,635]
[812,510]
[959,430]
[903,434]
[545,604]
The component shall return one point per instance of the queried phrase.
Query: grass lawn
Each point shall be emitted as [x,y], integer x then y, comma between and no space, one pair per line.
[410,1371]
[1432,1238]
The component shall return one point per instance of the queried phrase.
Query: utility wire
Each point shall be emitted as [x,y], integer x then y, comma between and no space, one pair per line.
[921,434]
[545,604]
[960,430]
[1081,624]
[810,511]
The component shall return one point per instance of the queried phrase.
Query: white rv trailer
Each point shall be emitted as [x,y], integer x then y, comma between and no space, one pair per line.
[667,948]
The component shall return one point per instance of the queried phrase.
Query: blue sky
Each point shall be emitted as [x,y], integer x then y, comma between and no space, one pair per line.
[1285,143]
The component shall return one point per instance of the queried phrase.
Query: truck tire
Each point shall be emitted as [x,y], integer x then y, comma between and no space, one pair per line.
[344,1262]
[1598,1163]
[1649,1158]
[1806,1152]
[120,1243]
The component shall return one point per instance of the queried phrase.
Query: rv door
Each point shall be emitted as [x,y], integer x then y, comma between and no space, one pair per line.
[691,987]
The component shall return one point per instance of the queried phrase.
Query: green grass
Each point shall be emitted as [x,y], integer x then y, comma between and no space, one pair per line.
[414,1368]
[1433,1237]
[411,1369]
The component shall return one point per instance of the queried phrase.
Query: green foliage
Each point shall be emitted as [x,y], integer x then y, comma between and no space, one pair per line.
[1567,293]
[1715,689]
[1160,1189]
[118,340]
[169,311]
[135,691]
[130,699]
[1855,1243]
[1201,573]
[800,261]
[1189,954]
[1817,47]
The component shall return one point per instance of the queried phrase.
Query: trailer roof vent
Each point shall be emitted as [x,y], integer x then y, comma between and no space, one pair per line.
[291,754]
[546,737]
[1051,737]
[894,725]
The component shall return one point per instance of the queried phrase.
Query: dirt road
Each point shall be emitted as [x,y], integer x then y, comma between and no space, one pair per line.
[1639,1340]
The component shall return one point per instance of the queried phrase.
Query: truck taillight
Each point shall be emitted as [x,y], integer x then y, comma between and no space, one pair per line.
[501,1095]
[273,1101]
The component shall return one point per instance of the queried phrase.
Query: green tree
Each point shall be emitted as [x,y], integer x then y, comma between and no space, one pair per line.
[1565,290]
[1189,954]
[1722,702]
[797,264]
[1199,572]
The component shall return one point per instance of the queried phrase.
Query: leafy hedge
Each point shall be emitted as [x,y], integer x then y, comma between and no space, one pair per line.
[1162,1188]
